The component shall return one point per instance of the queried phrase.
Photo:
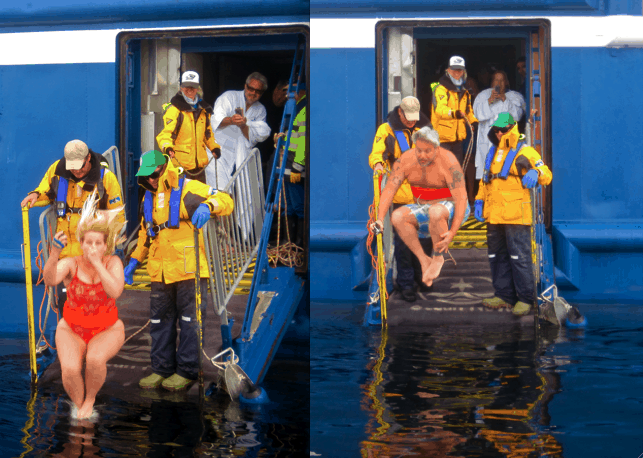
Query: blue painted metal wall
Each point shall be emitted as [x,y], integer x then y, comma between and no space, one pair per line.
[43,107]
[597,215]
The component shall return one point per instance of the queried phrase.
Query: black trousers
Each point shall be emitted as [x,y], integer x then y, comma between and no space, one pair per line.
[170,303]
[510,261]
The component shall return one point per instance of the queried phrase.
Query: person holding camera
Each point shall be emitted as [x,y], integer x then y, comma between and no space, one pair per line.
[488,105]
[239,123]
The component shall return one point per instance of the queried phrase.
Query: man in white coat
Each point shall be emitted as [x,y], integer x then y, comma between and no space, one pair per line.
[239,123]
[489,103]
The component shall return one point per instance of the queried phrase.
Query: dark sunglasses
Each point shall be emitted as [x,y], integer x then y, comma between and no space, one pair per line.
[253,90]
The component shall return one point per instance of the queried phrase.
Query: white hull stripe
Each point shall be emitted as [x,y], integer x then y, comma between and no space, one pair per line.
[567,32]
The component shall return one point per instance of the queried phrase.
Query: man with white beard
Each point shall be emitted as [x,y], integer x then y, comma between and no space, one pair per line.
[239,123]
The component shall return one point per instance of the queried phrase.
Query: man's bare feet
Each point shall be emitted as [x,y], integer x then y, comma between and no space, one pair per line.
[426,270]
[435,268]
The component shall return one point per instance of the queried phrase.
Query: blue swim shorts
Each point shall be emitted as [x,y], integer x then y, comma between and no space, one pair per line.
[421,214]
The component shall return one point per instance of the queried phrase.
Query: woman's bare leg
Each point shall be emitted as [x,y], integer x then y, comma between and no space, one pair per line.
[103,347]
[71,352]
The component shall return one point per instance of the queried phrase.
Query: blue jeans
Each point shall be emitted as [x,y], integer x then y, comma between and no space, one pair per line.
[170,303]
[510,260]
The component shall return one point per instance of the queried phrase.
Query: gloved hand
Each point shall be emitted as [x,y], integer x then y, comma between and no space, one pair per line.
[459,114]
[530,180]
[295,177]
[201,216]
[479,206]
[216,152]
[129,270]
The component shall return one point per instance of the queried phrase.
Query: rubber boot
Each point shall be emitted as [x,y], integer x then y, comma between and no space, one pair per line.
[292,228]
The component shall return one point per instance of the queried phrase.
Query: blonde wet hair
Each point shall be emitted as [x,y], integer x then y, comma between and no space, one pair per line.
[102,221]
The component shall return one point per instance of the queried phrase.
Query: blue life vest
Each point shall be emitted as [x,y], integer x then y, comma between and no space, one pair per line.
[506,165]
[175,208]
[61,194]
[402,141]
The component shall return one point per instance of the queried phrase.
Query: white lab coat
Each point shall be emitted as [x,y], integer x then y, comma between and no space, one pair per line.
[487,114]
[234,146]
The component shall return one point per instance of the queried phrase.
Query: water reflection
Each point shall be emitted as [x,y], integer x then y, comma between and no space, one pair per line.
[158,424]
[459,391]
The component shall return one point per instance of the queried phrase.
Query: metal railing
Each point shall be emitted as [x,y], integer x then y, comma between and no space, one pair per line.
[232,242]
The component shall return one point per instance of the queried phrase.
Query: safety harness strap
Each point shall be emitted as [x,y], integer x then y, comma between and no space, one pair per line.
[506,165]
[175,207]
[402,141]
[61,196]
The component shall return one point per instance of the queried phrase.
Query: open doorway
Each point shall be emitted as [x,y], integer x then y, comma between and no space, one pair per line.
[150,65]
[414,54]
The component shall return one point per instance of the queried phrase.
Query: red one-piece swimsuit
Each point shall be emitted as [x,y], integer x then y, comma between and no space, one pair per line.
[88,309]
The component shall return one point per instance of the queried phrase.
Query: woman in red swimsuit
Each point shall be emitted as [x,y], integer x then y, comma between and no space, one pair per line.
[90,332]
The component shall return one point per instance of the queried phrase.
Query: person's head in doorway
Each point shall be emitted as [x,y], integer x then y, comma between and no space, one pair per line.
[190,87]
[521,66]
[499,82]
[256,85]
[280,94]
[409,111]
[457,71]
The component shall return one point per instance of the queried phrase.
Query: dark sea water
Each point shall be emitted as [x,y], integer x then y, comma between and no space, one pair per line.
[474,391]
[41,426]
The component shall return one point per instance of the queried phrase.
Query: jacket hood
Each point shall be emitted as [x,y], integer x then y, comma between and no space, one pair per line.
[170,176]
[508,140]
[179,102]
[92,176]
[446,82]
[395,122]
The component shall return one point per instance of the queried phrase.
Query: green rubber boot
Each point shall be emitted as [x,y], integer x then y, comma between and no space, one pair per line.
[495,303]
[521,308]
[176,383]
[151,381]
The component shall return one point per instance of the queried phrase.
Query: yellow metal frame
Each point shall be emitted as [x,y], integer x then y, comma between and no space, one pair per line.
[26,262]
[381,268]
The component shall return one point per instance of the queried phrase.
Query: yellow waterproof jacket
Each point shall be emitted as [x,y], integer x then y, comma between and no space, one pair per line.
[446,101]
[171,253]
[77,193]
[507,201]
[187,137]
[386,149]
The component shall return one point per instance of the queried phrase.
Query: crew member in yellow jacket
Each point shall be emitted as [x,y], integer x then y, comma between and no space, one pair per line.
[187,129]
[504,202]
[393,138]
[451,105]
[67,185]
[173,207]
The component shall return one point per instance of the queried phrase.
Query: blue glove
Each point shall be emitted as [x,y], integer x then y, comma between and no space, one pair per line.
[530,180]
[201,216]
[129,270]
[479,205]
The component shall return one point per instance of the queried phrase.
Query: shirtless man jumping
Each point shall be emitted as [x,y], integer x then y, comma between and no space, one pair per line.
[441,206]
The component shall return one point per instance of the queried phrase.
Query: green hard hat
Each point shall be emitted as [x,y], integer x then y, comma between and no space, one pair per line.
[149,162]
[504,119]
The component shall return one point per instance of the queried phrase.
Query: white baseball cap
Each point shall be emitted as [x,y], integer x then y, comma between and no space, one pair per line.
[190,79]
[457,63]
[76,152]
[411,108]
